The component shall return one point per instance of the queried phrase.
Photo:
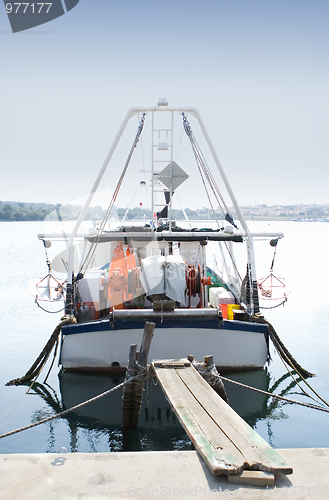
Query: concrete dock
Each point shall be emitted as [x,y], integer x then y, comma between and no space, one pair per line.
[172,474]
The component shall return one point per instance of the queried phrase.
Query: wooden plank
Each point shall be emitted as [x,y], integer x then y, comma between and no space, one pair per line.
[171,363]
[215,449]
[251,445]
[227,443]
[227,422]
[252,477]
[224,459]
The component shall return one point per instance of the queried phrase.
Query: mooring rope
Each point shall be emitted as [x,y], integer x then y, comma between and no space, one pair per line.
[305,382]
[308,405]
[76,407]
[286,356]
[281,348]
[39,363]
[212,377]
[142,375]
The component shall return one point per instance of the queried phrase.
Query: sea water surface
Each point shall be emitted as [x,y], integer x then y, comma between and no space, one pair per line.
[302,324]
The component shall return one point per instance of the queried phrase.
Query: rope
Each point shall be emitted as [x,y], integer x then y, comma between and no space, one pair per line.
[211,375]
[295,380]
[46,310]
[142,375]
[65,412]
[281,348]
[39,363]
[53,361]
[278,305]
[285,355]
[308,405]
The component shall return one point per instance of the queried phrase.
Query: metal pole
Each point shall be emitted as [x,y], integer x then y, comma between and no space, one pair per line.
[131,112]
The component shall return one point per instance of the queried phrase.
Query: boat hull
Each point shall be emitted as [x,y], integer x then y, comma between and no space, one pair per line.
[156,412]
[103,346]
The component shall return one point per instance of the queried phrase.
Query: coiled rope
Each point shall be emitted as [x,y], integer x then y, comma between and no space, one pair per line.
[41,360]
[140,375]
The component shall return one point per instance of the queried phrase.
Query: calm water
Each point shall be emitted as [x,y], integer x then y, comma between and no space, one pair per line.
[302,324]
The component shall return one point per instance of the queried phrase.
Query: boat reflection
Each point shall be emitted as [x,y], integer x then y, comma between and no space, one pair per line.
[158,426]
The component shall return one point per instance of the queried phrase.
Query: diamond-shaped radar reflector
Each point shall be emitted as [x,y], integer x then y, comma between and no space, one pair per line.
[172,176]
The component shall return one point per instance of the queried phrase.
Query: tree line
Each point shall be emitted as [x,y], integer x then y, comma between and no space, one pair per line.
[17,211]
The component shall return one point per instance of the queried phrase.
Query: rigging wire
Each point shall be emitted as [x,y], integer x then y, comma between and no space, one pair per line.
[202,161]
[142,151]
[92,249]
[179,145]
[202,164]
[208,196]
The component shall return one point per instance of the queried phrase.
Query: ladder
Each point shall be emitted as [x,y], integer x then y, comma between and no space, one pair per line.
[162,154]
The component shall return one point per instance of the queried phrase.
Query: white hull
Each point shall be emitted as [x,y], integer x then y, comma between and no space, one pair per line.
[108,349]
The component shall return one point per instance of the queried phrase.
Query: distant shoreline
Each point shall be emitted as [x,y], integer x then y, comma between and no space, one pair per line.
[11,211]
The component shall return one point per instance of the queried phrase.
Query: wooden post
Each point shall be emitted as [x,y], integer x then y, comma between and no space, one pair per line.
[209,372]
[129,388]
[133,392]
[209,360]
[137,396]
[146,342]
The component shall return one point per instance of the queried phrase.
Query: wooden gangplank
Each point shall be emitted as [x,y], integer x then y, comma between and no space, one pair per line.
[225,441]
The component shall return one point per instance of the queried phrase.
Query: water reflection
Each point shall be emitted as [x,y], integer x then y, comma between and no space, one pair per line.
[100,422]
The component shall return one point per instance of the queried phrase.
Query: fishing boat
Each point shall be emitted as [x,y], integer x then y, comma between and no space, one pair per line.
[181,275]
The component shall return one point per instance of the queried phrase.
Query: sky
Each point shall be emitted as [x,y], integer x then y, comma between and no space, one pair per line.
[257,70]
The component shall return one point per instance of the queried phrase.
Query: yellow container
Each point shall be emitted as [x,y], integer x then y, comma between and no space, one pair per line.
[230,308]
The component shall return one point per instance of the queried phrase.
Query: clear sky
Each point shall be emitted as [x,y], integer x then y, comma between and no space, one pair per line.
[258,71]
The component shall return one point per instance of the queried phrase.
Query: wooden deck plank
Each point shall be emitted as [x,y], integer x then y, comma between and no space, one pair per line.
[227,424]
[251,445]
[216,449]
[225,441]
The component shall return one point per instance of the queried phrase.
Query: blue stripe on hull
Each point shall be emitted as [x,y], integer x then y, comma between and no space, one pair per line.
[127,324]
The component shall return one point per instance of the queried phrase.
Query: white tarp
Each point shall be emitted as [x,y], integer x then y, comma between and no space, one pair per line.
[164,274]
